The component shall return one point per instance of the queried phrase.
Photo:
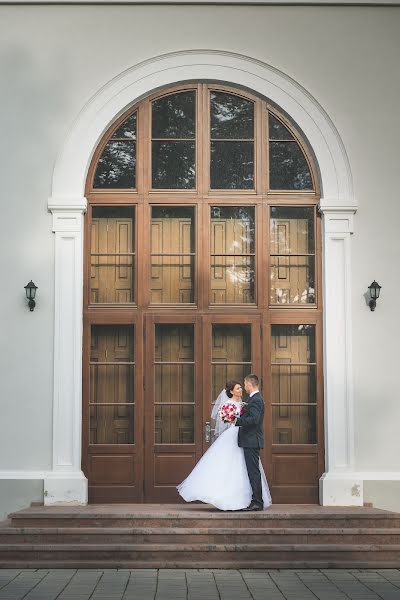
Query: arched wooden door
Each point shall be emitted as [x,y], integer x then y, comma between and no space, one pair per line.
[202,264]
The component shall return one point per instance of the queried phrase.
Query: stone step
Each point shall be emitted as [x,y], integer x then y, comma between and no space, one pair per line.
[212,535]
[200,555]
[204,520]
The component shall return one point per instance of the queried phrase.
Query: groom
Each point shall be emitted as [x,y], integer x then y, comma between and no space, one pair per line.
[251,438]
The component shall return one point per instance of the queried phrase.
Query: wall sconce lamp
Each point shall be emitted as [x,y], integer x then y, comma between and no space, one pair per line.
[374,291]
[30,291]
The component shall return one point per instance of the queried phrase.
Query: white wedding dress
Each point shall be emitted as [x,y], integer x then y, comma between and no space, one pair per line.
[220,477]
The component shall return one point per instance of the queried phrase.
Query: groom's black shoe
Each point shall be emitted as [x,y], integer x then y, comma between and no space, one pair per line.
[253,507]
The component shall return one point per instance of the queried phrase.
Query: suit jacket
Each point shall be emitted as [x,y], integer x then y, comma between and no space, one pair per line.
[251,433]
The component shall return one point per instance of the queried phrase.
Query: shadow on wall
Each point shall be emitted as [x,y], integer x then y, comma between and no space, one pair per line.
[17,494]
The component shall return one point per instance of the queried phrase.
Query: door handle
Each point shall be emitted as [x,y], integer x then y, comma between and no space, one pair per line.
[207,431]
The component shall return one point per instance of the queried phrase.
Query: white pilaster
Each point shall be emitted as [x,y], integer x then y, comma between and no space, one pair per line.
[66,483]
[339,485]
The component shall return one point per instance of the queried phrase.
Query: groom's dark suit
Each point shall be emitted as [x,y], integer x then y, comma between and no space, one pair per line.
[251,439]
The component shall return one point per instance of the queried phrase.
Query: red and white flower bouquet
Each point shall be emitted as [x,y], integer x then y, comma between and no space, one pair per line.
[229,411]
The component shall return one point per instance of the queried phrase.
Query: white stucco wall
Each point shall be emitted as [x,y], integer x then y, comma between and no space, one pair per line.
[54,58]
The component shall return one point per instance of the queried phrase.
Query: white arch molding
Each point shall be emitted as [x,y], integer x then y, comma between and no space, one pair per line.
[339,485]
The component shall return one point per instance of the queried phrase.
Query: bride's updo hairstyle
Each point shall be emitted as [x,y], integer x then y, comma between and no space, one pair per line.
[229,387]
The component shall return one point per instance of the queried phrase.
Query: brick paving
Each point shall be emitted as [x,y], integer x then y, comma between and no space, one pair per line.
[199,584]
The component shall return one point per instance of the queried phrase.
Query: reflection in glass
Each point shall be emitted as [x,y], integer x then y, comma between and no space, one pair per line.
[297,425]
[293,383]
[127,129]
[173,165]
[230,354]
[232,280]
[232,117]
[172,255]
[232,165]
[168,375]
[112,261]
[232,255]
[288,167]
[174,116]
[174,424]
[112,424]
[112,384]
[174,383]
[294,343]
[277,130]
[292,249]
[116,167]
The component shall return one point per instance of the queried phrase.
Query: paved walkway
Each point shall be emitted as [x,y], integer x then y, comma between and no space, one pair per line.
[204,584]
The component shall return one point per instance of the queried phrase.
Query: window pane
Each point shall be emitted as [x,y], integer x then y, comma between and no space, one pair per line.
[174,424]
[173,165]
[232,280]
[293,383]
[116,167]
[172,233]
[232,117]
[232,230]
[277,130]
[112,271]
[294,425]
[174,116]
[292,280]
[230,355]
[174,383]
[293,344]
[292,277]
[112,424]
[127,129]
[232,165]
[112,343]
[288,168]
[112,384]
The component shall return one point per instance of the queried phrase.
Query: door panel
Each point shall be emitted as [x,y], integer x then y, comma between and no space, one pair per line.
[173,426]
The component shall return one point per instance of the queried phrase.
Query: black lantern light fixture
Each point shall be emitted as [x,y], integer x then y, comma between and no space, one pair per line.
[374,291]
[30,291]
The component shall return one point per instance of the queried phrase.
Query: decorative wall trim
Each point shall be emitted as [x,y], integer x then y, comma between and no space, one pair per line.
[68,204]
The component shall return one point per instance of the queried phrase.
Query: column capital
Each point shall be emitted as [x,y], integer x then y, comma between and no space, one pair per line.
[67,203]
[338,219]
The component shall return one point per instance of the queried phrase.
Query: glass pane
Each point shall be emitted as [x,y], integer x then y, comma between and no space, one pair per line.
[232,165]
[231,349]
[232,117]
[127,129]
[232,280]
[112,343]
[173,165]
[293,344]
[174,383]
[277,130]
[172,233]
[232,230]
[292,280]
[288,168]
[112,384]
[174,116]
[174,424]
[116,167]
[112,424]
[112,233]
[294,425]
[292,230]
[293,383]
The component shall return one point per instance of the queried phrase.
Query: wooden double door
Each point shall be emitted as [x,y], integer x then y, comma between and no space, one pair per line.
[152,384]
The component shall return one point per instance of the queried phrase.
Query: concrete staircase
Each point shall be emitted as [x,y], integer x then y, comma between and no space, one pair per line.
[195,536]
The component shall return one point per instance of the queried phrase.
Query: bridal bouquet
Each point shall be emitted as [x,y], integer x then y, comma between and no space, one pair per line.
[229,412]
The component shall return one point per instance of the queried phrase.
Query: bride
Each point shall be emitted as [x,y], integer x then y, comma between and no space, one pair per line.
[220,477]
